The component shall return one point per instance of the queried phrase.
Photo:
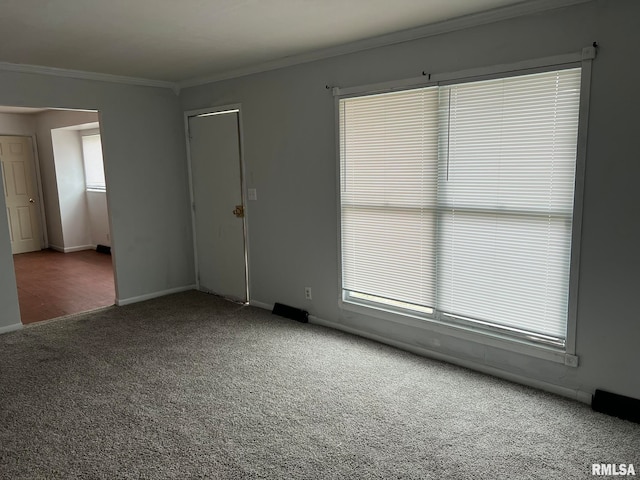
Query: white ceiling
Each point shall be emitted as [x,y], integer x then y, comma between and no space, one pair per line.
[176,40]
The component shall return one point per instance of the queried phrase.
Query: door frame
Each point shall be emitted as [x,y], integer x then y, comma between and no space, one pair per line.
[243,190]
[44,238]
[43,219]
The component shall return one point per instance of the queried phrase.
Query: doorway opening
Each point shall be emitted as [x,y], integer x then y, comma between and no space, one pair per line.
[58,217]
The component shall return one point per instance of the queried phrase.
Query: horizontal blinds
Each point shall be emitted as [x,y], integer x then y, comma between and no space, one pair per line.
[388,153]
[460,198]
[93,163]
[506,177]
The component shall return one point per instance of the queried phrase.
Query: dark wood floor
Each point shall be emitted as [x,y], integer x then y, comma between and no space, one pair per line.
[53,284]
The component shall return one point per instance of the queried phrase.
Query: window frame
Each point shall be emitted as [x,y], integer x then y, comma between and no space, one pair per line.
[434,322]
[91,133]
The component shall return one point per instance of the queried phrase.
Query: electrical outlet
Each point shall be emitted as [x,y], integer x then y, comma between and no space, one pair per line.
[307,293]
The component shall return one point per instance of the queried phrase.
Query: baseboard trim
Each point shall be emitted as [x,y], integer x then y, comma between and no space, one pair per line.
[11,328]
[79,248]
[258,304]
[141,298]
[578,395]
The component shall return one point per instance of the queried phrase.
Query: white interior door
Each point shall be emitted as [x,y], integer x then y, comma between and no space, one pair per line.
[218,204]
[21,193]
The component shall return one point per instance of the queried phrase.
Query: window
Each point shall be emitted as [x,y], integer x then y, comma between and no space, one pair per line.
[93,164]
[457,202]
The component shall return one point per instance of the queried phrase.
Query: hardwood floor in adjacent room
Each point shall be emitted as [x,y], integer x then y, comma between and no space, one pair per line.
[53,284]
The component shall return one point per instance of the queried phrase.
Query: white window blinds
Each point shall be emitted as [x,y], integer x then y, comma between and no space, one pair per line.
[389,158]
[457,200]
[93,163]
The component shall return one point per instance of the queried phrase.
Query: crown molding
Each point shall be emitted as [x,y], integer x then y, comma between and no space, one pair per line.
[83,75]
[529,7]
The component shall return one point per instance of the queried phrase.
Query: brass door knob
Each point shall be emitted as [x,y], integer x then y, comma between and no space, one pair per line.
[239,211]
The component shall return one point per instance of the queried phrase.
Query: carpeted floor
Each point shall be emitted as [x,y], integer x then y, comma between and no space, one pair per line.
[191,386]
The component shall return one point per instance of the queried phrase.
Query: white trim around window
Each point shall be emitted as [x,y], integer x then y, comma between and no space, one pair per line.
[425,317]
[93,161]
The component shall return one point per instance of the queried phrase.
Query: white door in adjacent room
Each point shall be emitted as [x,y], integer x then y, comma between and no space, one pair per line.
[219,223]
[21,193]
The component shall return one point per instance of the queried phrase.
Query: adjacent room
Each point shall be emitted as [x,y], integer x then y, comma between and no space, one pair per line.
[358,240]
[55,191]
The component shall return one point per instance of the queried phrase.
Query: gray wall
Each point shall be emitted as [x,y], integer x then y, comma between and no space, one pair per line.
[146,173]
[74,213]
[17,124]
[10,312]
[52,176]
[10,124]
[289,140]
[98,218]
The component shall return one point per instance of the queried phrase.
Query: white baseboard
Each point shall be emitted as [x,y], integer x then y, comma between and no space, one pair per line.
[256,303]
[79,248]
[11,328]
[579,395]
[71,249]
[141,298]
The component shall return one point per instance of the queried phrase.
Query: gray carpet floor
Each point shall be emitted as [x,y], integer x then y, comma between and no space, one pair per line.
[192,386]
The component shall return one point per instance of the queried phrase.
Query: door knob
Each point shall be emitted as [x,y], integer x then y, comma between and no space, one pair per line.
[239,211]
[31,200]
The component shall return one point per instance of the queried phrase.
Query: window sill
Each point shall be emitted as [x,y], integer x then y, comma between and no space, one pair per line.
[504,342]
